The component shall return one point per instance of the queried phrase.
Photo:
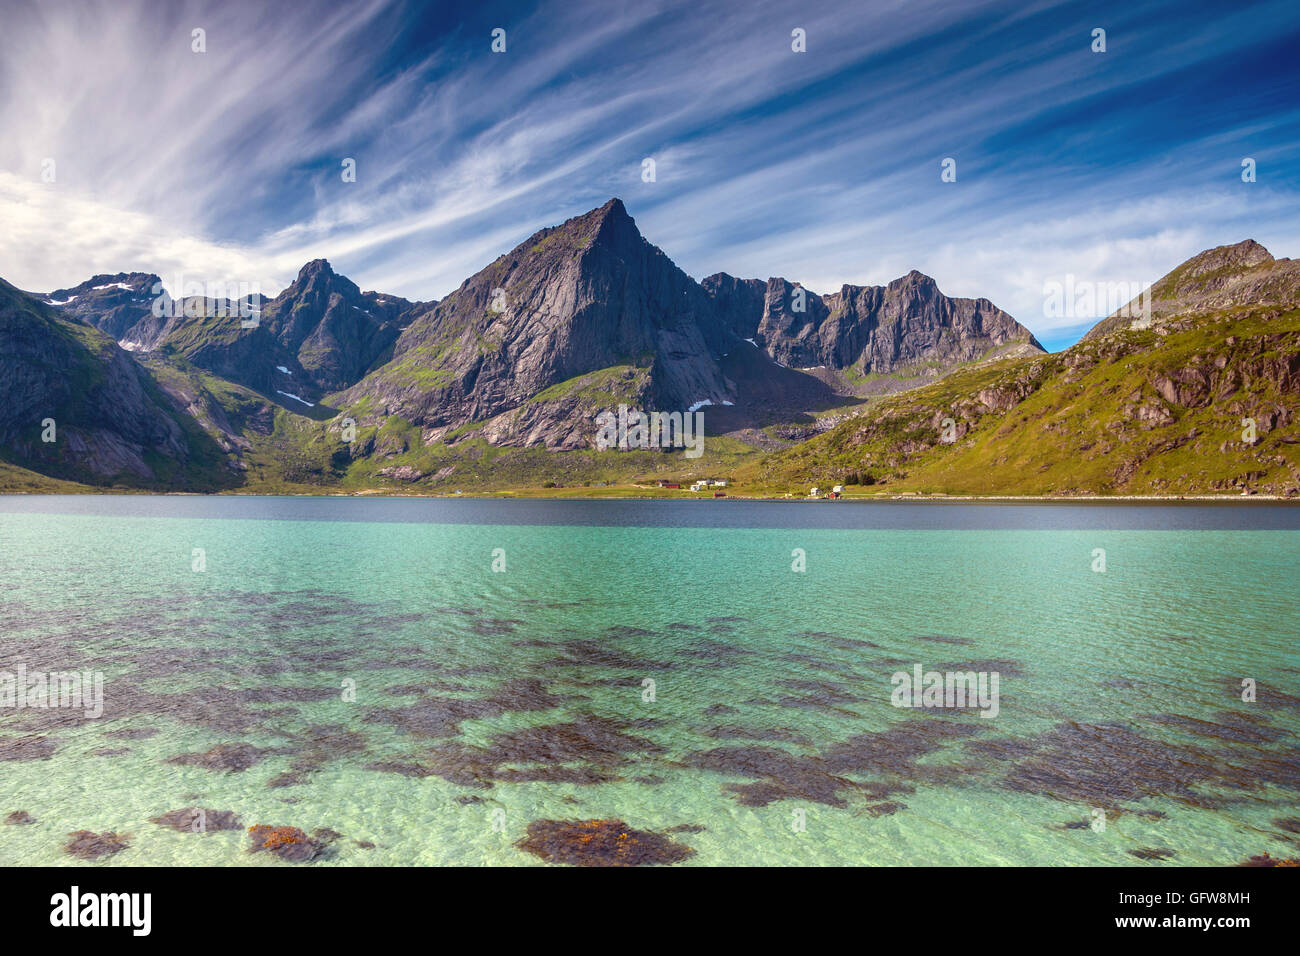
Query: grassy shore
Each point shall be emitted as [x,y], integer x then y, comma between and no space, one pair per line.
[15,480]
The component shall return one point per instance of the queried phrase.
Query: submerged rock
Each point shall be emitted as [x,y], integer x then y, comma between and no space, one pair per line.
[687,828]
[132,733]
[1267,860]
[290,843]
[1150,853]
[234,758]
[290,778]
[27,748]
[20,818]
[196,820]
[600,843]
[88,845]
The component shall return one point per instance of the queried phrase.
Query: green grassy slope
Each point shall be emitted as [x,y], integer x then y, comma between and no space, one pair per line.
[1132,412]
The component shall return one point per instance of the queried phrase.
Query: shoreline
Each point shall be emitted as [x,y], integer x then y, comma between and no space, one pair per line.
[529,495]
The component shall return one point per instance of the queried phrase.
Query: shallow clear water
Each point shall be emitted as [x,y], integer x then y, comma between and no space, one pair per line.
[486,700]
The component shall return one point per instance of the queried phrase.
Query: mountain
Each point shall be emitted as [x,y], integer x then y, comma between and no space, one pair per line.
[1169,408]
[334,331]
[333,387]
[582,314]
[580,317]
[904,329]
[114,304]
[1241,276]
[111,422]
[588,315]
[320,334]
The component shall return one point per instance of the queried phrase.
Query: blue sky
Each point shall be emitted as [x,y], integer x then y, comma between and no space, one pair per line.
[823,166]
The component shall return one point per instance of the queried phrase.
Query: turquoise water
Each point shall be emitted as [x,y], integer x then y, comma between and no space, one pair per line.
[486,700]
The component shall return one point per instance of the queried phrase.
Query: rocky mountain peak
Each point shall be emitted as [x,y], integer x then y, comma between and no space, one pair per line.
[111,303]
[106,285]
[1212,281]
[875,329]
[331,329]
[1241,255]
[612,215]
[319,279]
[587,297]
[915,279]
[607,226]
[315,267]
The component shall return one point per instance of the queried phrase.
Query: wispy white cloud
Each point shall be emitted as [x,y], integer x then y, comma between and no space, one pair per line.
[821,166]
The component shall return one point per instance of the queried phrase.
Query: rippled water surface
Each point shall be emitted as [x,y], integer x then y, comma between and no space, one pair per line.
[359,666]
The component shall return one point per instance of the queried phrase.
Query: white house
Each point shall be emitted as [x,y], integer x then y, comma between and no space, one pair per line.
[838,489]
[813,493]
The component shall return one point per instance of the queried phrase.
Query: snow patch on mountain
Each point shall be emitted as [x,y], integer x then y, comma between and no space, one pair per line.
[296,398]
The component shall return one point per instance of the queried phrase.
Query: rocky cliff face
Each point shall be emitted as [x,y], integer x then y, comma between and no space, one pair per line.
[110,420]
[320,334]
[739,303]
[206,332]
[586,296]
[869,329]
[114,304]
[333,330]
